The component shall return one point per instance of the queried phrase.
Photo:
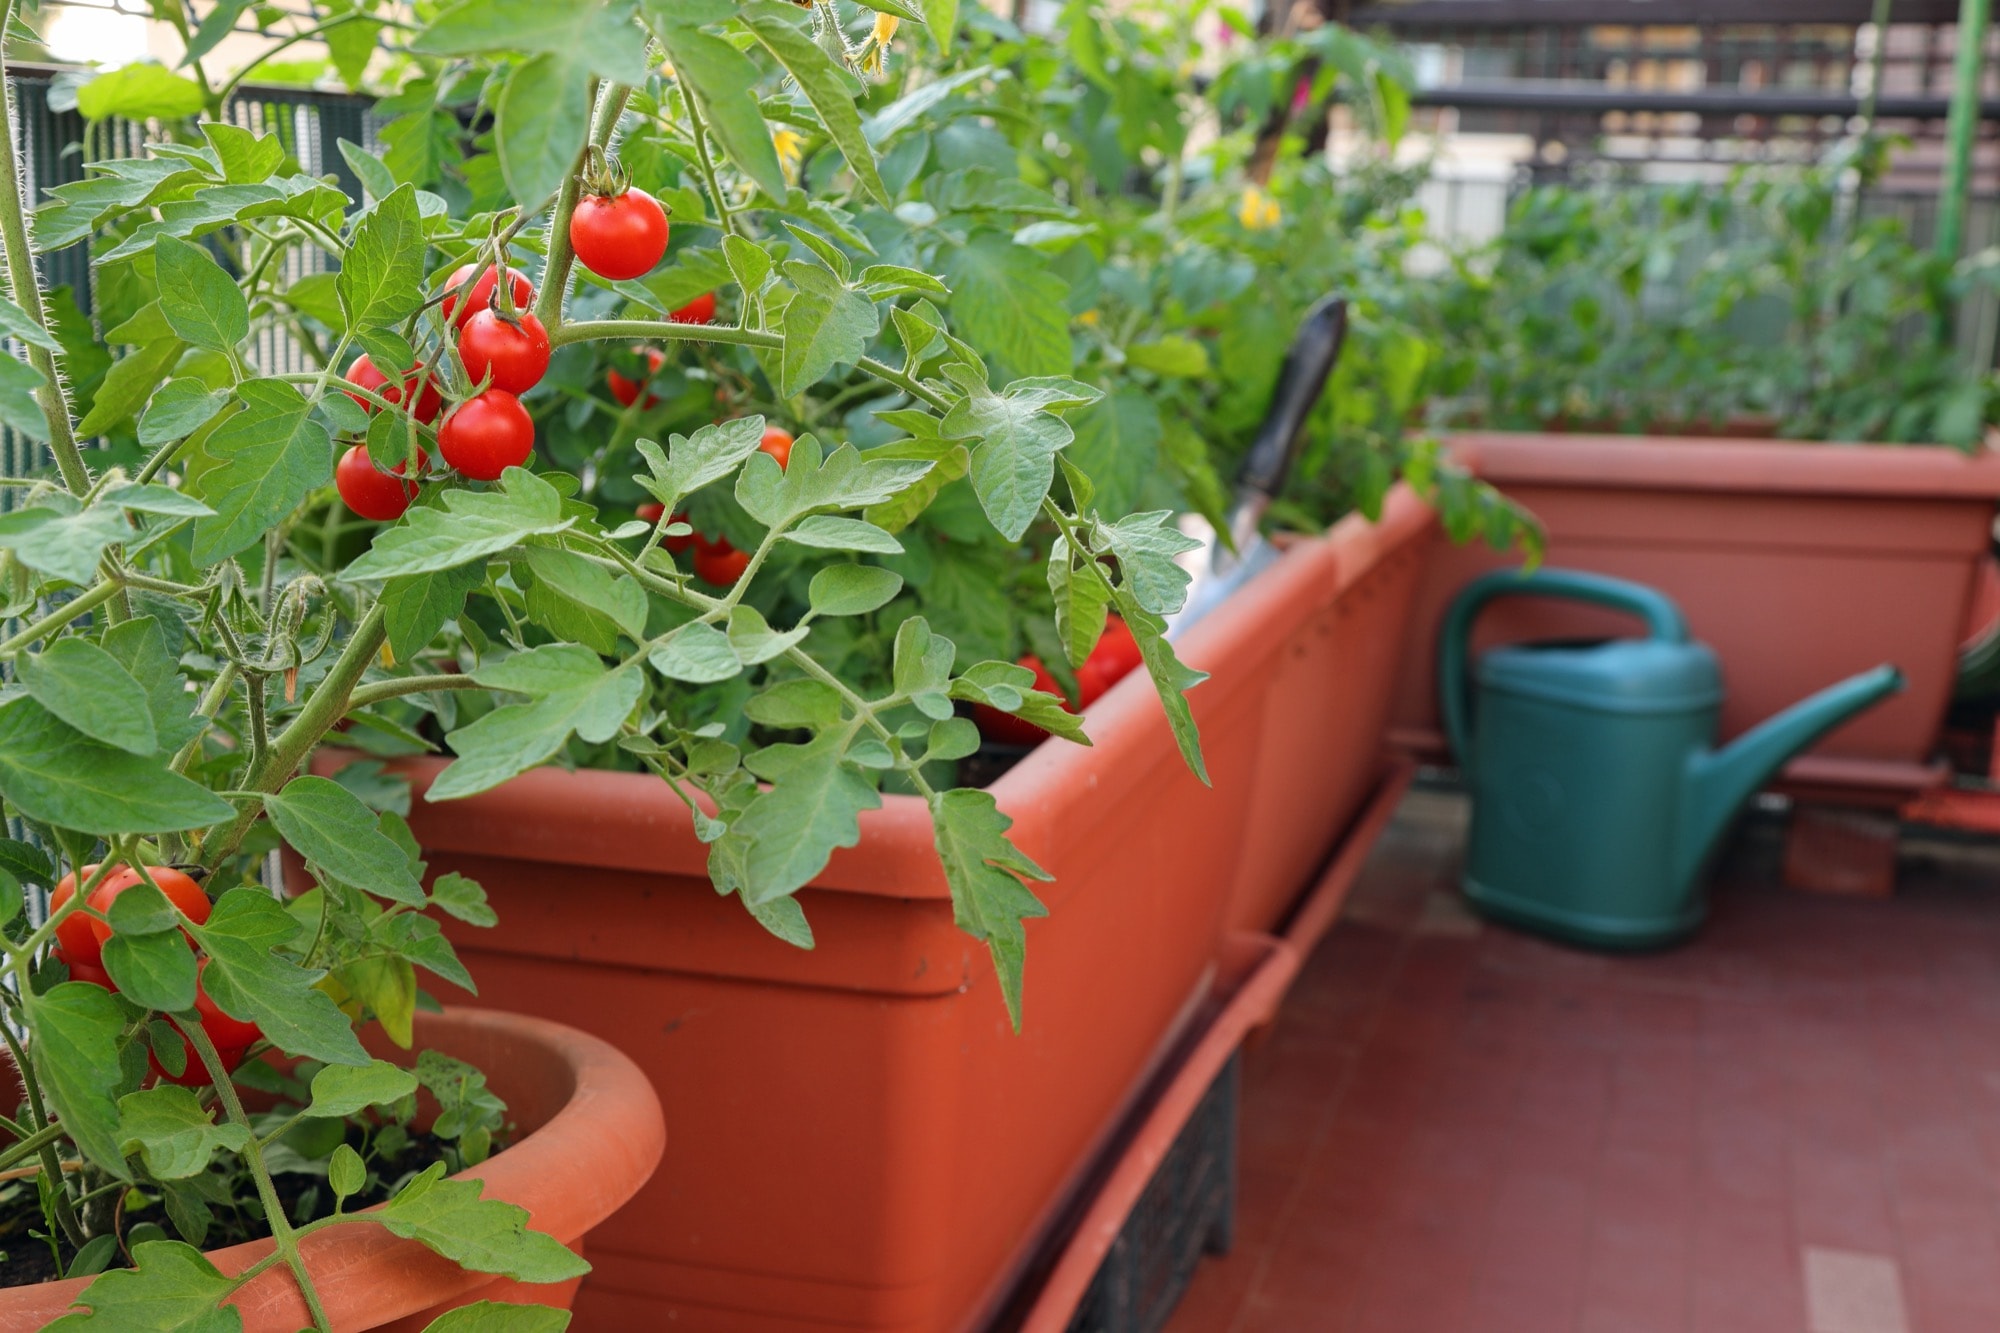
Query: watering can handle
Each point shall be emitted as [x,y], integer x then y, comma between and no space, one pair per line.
[1663,622]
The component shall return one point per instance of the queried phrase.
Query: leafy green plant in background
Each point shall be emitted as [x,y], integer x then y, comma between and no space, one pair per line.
[200,612]
[1630,308]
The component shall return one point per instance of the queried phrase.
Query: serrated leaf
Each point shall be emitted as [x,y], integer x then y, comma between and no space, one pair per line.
[154,971]
[463,898]
[1009,303]
[172,1288]
[1081,598]
[696,653]
[173,1133]
[387,987]
[590,585]
[1118,447]
[749,263]
[154,498]
[752,638]
[599,32]
[825,324]
[201,303]
[791,828]
[852,590]
[803,702]
[66,546]
[248,981]
[140,646]
[246,158]
[76,1027]
[1172,678]
[1014,436]
[269,457]
[382,275]
[950,461]
[484,1235]
[15,323]
[92,691]
[53,773]
[472,526]
[376,179]
[500,1317]
[1146,545]
[572,693]
[416,606]
[128,384]
[329,826]
[823,83]
[339,1091]
[845,479]
[139,91]
[724,81]
[693,461]
[1010,688]
[989,900]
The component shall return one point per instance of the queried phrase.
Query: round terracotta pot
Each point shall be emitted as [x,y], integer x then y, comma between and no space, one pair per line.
[590,1134]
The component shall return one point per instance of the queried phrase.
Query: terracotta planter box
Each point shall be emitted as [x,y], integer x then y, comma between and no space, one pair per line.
[591,1133]
[872,1147]
[1800,563]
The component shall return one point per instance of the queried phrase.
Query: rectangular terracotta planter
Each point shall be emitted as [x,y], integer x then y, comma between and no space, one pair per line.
[1799,563]
[862,1141]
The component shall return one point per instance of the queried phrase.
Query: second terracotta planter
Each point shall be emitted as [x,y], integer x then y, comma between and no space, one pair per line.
[869,1145]
[1799,563]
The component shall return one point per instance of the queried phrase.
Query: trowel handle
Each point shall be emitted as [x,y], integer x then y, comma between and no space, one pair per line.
[1663,622]
[1310,359]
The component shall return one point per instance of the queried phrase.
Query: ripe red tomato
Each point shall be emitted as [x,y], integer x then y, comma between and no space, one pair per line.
[718,562]
[620,235]
[226,1032]
[777,442]
[487,435]
[369,491]
[89,973]
[480,296]
[626,391]
[181,891]
[517,358]
[1115,657]
[430,402]
[74,942]
[651,512]
[194,1074]
[701,310]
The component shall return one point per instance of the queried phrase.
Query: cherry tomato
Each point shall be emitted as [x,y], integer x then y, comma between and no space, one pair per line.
[89,973]
[226,1032]
[701,310]
[620,235]
[181,891]
[480,297]
[626,391]
[430,402]
[487,435]
[777,442]
[718,562]
[74,942]
[517,358]
[369,491]
[652,511]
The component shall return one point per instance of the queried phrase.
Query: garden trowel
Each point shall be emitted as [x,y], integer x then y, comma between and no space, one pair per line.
[1217,570]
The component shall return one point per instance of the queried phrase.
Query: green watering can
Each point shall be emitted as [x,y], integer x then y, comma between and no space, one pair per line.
[1597,793]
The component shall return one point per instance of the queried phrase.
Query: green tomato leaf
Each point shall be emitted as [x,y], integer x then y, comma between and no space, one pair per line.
[753,640]
[852,590]
[343,1090]
[1172,355]
[462,898]
[269,457]
[345,1173]
[382,276]
[1081,598]
[246,158]
[1172,677]
[19,410]
[140,647]
[53,773]
[75,1028]
[416,606]
[825,532]
[791,828]
[986,873]
[66,546]
[500,1317]
[846,479]
[329,826]
[484,1235]
[1010,688]
[1009,303]
[724,83]
[572,692]
[89,689]
[153,498]
[172,1132]
[472,526]
[171,1286]
[598,33]
[586,584]
[1118,446]
[823,82]
[128,384]
[139,92]
[201,303]
[543,117]
[1015,436]
[154,971]
[247,980]
[696,653]
[826,323]
[1146,545]
[693,461]
[15,323]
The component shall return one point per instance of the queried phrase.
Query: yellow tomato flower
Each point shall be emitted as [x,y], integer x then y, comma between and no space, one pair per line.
[1258,211]
[885,28]
[1088,317]
[790,146]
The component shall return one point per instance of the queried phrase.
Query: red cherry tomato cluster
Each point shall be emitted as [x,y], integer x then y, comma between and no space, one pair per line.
[1115,657]
[80,941]
[626,391]
[716,561]
[619,236]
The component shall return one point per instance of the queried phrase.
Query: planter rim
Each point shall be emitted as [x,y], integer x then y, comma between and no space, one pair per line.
[1695,463]
[570,1173]
[623,821]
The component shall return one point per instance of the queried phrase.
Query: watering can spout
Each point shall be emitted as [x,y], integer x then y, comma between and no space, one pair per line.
[1720,781]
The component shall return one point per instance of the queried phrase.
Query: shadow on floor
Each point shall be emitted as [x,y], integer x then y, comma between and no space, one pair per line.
[1790,1125]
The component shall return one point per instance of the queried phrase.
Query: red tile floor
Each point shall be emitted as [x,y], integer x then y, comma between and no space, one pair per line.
[1790,1125]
